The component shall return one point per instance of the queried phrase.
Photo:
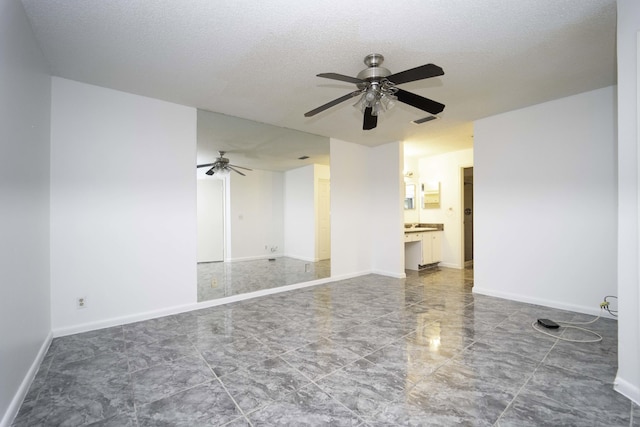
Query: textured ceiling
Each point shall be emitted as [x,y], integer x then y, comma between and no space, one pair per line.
[258,60]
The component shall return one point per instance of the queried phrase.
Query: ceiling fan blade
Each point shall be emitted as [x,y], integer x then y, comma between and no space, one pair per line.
[420,102]
[204,166]
[240,167]
[332,103]
[418,73]
[370,121]
[235,170]
[341,77]
[210,172]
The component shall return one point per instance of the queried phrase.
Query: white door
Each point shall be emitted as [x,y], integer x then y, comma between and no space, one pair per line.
[210,199]
[324,219]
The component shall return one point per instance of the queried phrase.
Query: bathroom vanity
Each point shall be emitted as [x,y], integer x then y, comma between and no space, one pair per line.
[422,246]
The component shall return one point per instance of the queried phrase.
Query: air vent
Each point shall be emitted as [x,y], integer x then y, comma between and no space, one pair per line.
[424,120]
[303,158]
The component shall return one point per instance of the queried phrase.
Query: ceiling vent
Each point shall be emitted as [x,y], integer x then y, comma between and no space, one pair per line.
[424,120]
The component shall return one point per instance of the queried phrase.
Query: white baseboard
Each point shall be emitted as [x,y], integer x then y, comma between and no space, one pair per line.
[627,389]
[402,275]
[350,275]
[22,391]
[595,311]
[301,258]
[450,265]
[254,258]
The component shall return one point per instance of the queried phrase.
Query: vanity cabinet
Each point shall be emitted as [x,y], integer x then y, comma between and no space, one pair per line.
[422,249]
[431,247]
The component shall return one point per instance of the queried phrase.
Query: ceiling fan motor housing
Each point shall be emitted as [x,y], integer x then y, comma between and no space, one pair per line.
[374,72]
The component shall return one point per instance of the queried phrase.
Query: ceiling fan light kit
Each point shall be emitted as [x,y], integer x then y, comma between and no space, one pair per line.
[378,92]
[221,166]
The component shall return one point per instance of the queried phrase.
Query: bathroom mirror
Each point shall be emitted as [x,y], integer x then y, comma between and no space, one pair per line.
[430,194]
[409,196]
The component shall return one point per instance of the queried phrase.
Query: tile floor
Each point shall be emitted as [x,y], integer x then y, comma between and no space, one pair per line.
[224,279]
[369,351]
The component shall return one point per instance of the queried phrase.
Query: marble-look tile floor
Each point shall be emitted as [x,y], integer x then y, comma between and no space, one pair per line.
[224,279]
[369,351]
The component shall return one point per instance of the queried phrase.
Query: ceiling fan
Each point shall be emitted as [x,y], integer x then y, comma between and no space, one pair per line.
[378,88]
[222,166]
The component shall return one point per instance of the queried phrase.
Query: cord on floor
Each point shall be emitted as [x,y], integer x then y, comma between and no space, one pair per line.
[571,325]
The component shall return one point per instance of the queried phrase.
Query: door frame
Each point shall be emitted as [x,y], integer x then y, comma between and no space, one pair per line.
[462,232]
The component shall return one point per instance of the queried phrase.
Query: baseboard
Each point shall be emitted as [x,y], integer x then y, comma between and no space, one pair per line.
[350,275]
[450,265]
[627,389]
[22,391]
[254,258]
[395,275]
[123,320]
[594,311]
[301,258]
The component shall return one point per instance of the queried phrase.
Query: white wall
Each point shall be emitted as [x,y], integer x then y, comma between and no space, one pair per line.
[366,209]
[25,103]
[351,233]
[123,205]
[628,378]
[299,213]
[445,168]
[545,202]
[386,209]
[256,215]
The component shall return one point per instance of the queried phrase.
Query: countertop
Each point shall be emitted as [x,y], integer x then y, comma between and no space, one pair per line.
[417,229]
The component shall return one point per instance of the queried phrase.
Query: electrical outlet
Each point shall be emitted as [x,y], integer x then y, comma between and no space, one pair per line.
[214,283]
[81,302]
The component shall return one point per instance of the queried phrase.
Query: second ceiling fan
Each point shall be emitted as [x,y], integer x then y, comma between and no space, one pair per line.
[222,166]
[377,87]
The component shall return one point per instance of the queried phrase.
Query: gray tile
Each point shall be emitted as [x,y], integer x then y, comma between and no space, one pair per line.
[363,387]
[508,370]
[580,392]
[409,360]
[205,404]
[319,358]
[528,410]
[418,351]
[288,338]
[101,340]
[109,365]
[422,412]
[593,359]
[362,339]
[464,390]
[309,406]
[152,330]
[119,420]
[162,380]
[263,383]
[67,400]
[146,355]
[225,358]
[521,339]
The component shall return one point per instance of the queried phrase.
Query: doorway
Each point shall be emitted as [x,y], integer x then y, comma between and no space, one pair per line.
[467,217]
